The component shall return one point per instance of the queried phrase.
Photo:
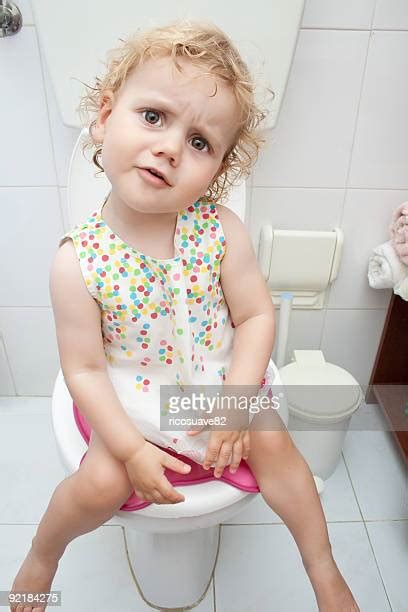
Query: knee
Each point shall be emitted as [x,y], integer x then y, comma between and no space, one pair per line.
[275,443]
[102,486]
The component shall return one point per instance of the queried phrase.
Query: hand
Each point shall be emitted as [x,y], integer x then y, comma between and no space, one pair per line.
[220,446]
[146,473]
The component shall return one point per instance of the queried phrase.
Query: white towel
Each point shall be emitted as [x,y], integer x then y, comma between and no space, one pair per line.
[385,269]
[401,288]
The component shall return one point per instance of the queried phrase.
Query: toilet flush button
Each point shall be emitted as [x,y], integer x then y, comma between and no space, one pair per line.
[11,19]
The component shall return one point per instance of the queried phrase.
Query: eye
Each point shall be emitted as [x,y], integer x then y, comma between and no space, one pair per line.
[150,112]
[206,144]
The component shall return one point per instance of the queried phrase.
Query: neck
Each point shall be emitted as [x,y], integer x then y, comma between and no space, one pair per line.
[121,215]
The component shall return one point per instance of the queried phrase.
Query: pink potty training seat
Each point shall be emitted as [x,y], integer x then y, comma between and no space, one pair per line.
[242,479]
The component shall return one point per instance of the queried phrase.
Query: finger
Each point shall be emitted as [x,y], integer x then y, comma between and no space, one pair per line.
[246,442]
[176,464]
[169,492]
[236,456]
[158,497]
[212,452]
[222,460]
[139,494]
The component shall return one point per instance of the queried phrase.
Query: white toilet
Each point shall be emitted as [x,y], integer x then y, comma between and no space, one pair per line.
[180,541]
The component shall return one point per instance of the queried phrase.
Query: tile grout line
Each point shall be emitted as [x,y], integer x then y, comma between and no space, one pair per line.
[215,570]
[367,534]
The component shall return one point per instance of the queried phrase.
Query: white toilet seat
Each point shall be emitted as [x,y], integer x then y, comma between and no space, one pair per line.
[200,499]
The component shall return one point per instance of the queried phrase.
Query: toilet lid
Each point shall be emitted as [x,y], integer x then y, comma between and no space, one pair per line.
[320,393]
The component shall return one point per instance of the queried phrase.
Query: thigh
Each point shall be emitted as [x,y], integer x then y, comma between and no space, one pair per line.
[103,473]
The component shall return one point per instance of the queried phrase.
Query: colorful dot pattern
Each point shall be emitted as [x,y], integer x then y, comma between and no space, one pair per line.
[158,313]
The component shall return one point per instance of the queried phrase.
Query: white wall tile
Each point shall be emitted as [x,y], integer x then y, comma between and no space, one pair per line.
[356,15]
[6,378]
[295,209]
[31,346]
[63,137]
[33,219]
[27,158]
[380,150]
[391,15]
[305,331]
[350,340]
[310,146]
[64,207]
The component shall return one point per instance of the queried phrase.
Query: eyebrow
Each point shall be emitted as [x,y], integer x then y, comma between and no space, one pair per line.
[166,104]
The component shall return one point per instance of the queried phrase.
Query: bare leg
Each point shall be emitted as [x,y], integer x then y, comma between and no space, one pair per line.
[68,517]
[77,506]
[287,485]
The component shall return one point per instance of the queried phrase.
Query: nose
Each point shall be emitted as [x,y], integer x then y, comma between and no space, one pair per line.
[169,145]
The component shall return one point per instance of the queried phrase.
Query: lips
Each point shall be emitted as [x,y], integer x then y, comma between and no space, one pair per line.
[157,172]
[152,179]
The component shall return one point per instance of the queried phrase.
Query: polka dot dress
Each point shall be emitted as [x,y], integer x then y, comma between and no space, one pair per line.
[163,321]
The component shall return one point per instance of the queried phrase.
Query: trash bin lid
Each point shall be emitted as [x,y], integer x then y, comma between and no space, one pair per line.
[316,390]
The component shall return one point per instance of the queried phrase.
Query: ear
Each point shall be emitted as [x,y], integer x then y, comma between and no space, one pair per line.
[105,109]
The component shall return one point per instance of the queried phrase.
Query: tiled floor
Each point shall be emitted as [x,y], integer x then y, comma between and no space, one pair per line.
[259,567]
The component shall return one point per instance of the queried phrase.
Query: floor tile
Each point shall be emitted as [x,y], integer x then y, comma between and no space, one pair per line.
[30,466]
[378,474]
[93,573]
[260,568]
[389,540]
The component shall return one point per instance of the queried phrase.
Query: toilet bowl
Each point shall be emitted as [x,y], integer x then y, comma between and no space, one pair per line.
[179,541]
[171,548]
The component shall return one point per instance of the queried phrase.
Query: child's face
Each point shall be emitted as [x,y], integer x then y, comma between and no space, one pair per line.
[162,119]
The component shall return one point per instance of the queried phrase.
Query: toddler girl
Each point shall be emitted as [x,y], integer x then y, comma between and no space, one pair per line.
[160,285]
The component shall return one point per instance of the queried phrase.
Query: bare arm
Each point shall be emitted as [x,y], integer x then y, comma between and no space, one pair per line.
[249,302]
[83,362]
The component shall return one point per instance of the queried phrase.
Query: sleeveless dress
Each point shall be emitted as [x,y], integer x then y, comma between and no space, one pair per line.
[163,321]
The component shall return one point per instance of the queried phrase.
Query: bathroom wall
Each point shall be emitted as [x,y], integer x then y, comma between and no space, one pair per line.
[338,157]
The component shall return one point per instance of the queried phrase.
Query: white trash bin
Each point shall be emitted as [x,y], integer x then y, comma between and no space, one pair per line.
[321,398]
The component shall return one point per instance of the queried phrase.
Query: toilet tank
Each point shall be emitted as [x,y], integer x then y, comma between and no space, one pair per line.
[75,36]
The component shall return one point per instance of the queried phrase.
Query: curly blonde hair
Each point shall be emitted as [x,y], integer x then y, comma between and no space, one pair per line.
[205,45]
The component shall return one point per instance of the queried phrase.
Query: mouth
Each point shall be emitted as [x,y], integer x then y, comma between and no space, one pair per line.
[157,174]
